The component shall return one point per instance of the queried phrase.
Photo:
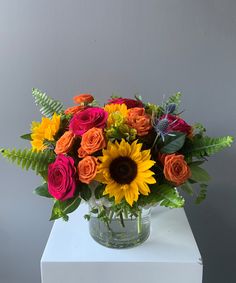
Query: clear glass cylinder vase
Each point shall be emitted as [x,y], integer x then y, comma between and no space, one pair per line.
[123,231]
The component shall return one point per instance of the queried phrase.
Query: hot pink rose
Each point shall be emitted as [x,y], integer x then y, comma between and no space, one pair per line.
[87,119]
[61,177]
[130,103]
[177,124]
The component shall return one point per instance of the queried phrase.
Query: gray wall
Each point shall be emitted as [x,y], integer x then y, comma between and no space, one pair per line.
[153,47]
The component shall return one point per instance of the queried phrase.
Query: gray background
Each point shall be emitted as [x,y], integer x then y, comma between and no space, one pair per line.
[151,47]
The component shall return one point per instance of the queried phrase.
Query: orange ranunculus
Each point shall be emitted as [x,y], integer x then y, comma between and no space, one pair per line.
[74,109]
[139,120]
[87,169]
[65,143]
[176,169]
[84,98]
[93,140]
[82,153]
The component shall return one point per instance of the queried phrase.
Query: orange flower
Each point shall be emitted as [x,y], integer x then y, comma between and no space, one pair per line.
[74,109]
[176,169]
[87,169]
[82,153]
[93,140]
[139,120]
[65,143]
[84,98]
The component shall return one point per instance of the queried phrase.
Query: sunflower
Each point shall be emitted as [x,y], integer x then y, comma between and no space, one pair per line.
[116,114]
[124,168]
[45,130]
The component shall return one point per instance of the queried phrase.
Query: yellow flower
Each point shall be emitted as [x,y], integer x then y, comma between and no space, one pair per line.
[45,130]
[116,114]
[124,168]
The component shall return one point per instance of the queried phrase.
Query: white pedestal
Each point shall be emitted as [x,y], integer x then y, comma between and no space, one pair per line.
[170,255]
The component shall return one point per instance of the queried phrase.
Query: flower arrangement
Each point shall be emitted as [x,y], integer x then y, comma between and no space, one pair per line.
[120,157]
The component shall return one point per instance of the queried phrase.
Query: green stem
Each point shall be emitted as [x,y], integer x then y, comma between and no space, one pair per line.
[157,136]
[139,221]
[111,214]
[122,220]
[125,213]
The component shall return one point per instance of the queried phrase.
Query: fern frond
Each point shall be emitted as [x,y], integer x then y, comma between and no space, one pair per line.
[205,146]
[48,106]
[164,194]
[28,159]
[175,98]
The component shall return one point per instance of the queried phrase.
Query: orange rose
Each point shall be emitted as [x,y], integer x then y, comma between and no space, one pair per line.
[93,140]
[82,153]
[84,98]
[65,143]
[74,109]
[87,169]
[139,120]
[176,169]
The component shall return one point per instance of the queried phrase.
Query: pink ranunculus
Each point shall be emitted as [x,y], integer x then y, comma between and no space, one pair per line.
[130,103]
[62,178]
[177,124]
[87,119]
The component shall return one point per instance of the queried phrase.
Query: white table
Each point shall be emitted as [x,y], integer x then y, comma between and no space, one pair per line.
[170,255]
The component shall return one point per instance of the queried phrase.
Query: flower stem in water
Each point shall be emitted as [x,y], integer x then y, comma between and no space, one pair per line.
[139,222]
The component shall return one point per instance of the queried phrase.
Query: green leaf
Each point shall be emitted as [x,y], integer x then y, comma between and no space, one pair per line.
[176,98]
[99,191]
[197,163]
[202,194]
[187,187]
[44,174]
[199,129]
[85,191]
[48,106]
[170,197]
[94,210]
[70,205]
[29,159]
[62,208]
[199,174]
[205,146]
[42,191]
[173,143]
[87,217]
[26,137]
[165,195]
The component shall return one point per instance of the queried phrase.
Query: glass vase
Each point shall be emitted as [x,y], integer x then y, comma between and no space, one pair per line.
[121,231]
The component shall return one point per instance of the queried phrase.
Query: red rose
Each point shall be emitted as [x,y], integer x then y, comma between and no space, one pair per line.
[130,103]
[61,178]
[87,119]
[177,124]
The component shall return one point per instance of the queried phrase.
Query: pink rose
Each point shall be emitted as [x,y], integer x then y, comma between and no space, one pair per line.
[87,119]
[177,124]
[61,178]
[130,103]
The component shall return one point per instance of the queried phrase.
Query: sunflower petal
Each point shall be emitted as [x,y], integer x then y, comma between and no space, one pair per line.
[145,165]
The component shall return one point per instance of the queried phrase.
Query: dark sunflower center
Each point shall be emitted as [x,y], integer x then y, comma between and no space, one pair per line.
[123,170]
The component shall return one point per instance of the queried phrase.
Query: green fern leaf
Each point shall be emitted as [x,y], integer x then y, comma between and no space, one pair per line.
[48,106]
[170,197]
[202,194]
[164,194]
[205,146]
[28,159]
[176,99]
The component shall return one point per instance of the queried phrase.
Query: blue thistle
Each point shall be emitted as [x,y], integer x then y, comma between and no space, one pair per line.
[161,128]
[170,108]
